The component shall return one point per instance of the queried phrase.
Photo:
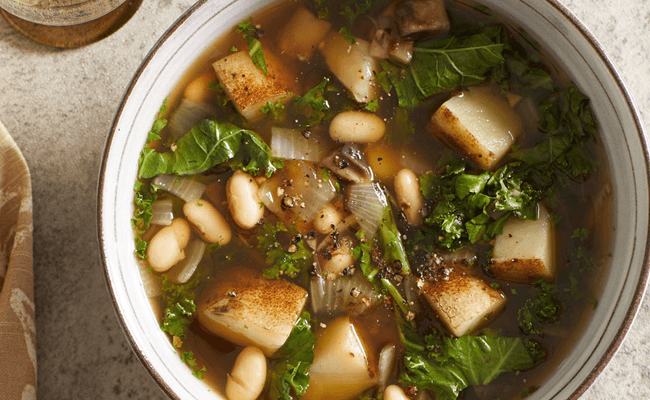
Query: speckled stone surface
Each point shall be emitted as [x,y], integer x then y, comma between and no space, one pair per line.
[58,106]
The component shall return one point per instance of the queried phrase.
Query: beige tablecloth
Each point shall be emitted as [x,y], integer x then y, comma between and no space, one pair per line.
[17,327]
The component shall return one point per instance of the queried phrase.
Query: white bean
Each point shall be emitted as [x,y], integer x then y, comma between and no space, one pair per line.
[409,197]
[327,220]
[248,375]
[167,246]
[394,392]
[243,201]
[197,90]
[341,258]
[357,127]
[207,221]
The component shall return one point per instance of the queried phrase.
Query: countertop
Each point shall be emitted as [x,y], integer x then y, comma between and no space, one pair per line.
[59,104]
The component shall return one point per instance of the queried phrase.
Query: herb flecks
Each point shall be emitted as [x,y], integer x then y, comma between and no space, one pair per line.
[179,306]
[188,358]
[252,33]
[289,262]
[543,308]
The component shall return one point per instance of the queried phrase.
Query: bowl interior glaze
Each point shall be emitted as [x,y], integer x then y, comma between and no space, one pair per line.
[572,47]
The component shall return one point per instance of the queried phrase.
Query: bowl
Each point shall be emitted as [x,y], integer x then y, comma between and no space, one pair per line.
[569,43]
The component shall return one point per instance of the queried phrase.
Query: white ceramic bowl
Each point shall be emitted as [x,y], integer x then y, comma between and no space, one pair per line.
[570,43]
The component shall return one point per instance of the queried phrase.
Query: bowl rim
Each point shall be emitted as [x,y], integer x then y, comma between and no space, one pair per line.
[643,278]
[562,10]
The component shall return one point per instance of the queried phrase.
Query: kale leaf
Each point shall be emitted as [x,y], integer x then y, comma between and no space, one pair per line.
[463,200]
[159,123]
[444,65]
[274,110]
[544,308]
[314,105]
[351,9]
[323,8]
[322,103]
[145,196]
[447,365]
[288,373]
[210,143]
[520,72]
[281,262]
[392,254]
[251,33]
[391,241]
[179,305]
[567,122]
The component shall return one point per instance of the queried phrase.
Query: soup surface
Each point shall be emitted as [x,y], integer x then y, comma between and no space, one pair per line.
[350,200]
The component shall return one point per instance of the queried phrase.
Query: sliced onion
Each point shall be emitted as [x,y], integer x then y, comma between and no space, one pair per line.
[380,44]
[465,256]
[307,192]
[161,212]
[289,144]
[387,358]
[367,202]
[151,282]
[347,293]
[411,292]
[183,271]
[188,114]
[185,188]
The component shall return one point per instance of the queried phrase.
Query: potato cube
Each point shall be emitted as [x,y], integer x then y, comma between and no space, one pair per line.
[247,309]
[302,33]
[462,301]
[479,123]
[344,364]
[352,65]
[525,251]
[247,85]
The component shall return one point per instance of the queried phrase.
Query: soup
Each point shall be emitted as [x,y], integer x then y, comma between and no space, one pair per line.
[351,200]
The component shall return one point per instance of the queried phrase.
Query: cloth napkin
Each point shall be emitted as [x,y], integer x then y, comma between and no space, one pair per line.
[17,327]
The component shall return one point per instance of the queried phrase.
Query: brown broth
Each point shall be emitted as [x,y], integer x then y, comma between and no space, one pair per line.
[587,205]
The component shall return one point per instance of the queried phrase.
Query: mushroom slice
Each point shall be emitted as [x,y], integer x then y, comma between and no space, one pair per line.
[247,309]
[421,17]
[525,251]
[348,163]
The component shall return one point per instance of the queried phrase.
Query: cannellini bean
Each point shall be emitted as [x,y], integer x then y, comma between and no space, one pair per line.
[357,127]
[243,201]
[197,90]
[341,258]
[248,375]
[409,197]
[394,392]
[167,246]
[207,221]
[327,220]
